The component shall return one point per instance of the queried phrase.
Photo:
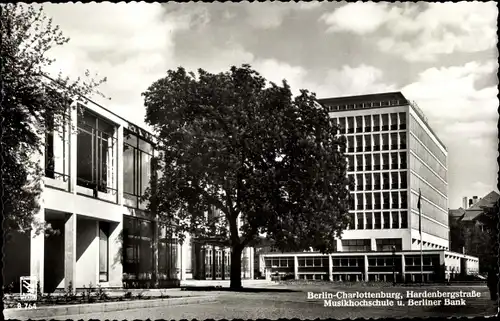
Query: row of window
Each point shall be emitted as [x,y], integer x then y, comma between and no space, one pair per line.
[379,180]
[371,123]
[430,227]
[379,200]
[96,158]
[376,142]
[378,220]
[417,184]
[377,161]
[418,149]
[417,130]
[430,210]
[429,176]
[366,104]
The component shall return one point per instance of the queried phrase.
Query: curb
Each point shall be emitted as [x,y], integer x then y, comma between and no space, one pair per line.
[77,309]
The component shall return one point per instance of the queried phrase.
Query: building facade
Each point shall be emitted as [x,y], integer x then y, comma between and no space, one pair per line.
[392,154]
[97,167]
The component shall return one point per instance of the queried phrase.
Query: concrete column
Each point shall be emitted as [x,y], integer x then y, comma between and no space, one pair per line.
[73,133]
[37,251]
[296,267]
[214,262]
[223,264]
[339,245]
[70,252]
[366,268]
[330,268]
[373,244]
[403,268]
[252,263]
[118,173]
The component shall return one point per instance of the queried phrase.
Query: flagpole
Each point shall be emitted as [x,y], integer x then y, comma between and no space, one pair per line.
[420,230]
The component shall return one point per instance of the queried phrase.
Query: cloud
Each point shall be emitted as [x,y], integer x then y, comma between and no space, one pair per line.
[131,44]
[357,17]
[271,15]
[449,98]
[420,35]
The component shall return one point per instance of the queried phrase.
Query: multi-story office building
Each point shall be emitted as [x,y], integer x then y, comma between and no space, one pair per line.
[97,167]
[392,154]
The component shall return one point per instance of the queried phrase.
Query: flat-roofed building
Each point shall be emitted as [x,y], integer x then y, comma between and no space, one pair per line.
[392,154]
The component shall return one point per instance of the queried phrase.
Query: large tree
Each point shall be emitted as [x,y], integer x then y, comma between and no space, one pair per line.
[269,163]
[30,101]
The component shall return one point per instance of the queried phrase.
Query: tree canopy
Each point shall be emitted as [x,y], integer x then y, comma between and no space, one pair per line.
[29,101]
[269,163]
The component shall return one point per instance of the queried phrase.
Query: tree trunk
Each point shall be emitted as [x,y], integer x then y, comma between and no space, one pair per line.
[236,267]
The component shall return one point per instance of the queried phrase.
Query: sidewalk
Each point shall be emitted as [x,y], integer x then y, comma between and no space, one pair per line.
[176,297]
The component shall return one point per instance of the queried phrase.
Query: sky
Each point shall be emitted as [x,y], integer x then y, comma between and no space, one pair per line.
[441,55]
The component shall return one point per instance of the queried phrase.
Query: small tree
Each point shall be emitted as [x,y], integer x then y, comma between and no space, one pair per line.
[269,163]
[29,100]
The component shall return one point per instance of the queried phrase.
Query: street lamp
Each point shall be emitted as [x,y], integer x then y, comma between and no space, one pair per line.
[393,265]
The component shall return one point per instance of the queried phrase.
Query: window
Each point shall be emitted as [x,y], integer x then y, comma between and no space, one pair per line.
[376,142]
[95,153]
[385,141]
[359,182]
[350,144]
[103,251]
[394,180]
[49,146]
[402,140]
[368,182]
[359,143]
[394,161]
[137,168]
[350,124]
[395,220]
[388,244]
[376,123]
[395,200]
[360,223]
[359,200]
[404,200]
[362,245]
[402,179]
[368,162]
[368,123]
[359,162]
[369,221]
[394,121]
[359,124]
[385,161]
[394,140]
[342,125]
[368,143]
[376,162]
[138,245]
[369,201]
[402,120]
[167,253]
[376,179]
[387,222]
[378,220]
[386,184]
[385,122]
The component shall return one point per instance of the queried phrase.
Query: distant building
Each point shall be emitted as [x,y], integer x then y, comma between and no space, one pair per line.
[467,224]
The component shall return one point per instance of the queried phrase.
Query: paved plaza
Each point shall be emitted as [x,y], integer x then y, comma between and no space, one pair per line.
[274,305]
